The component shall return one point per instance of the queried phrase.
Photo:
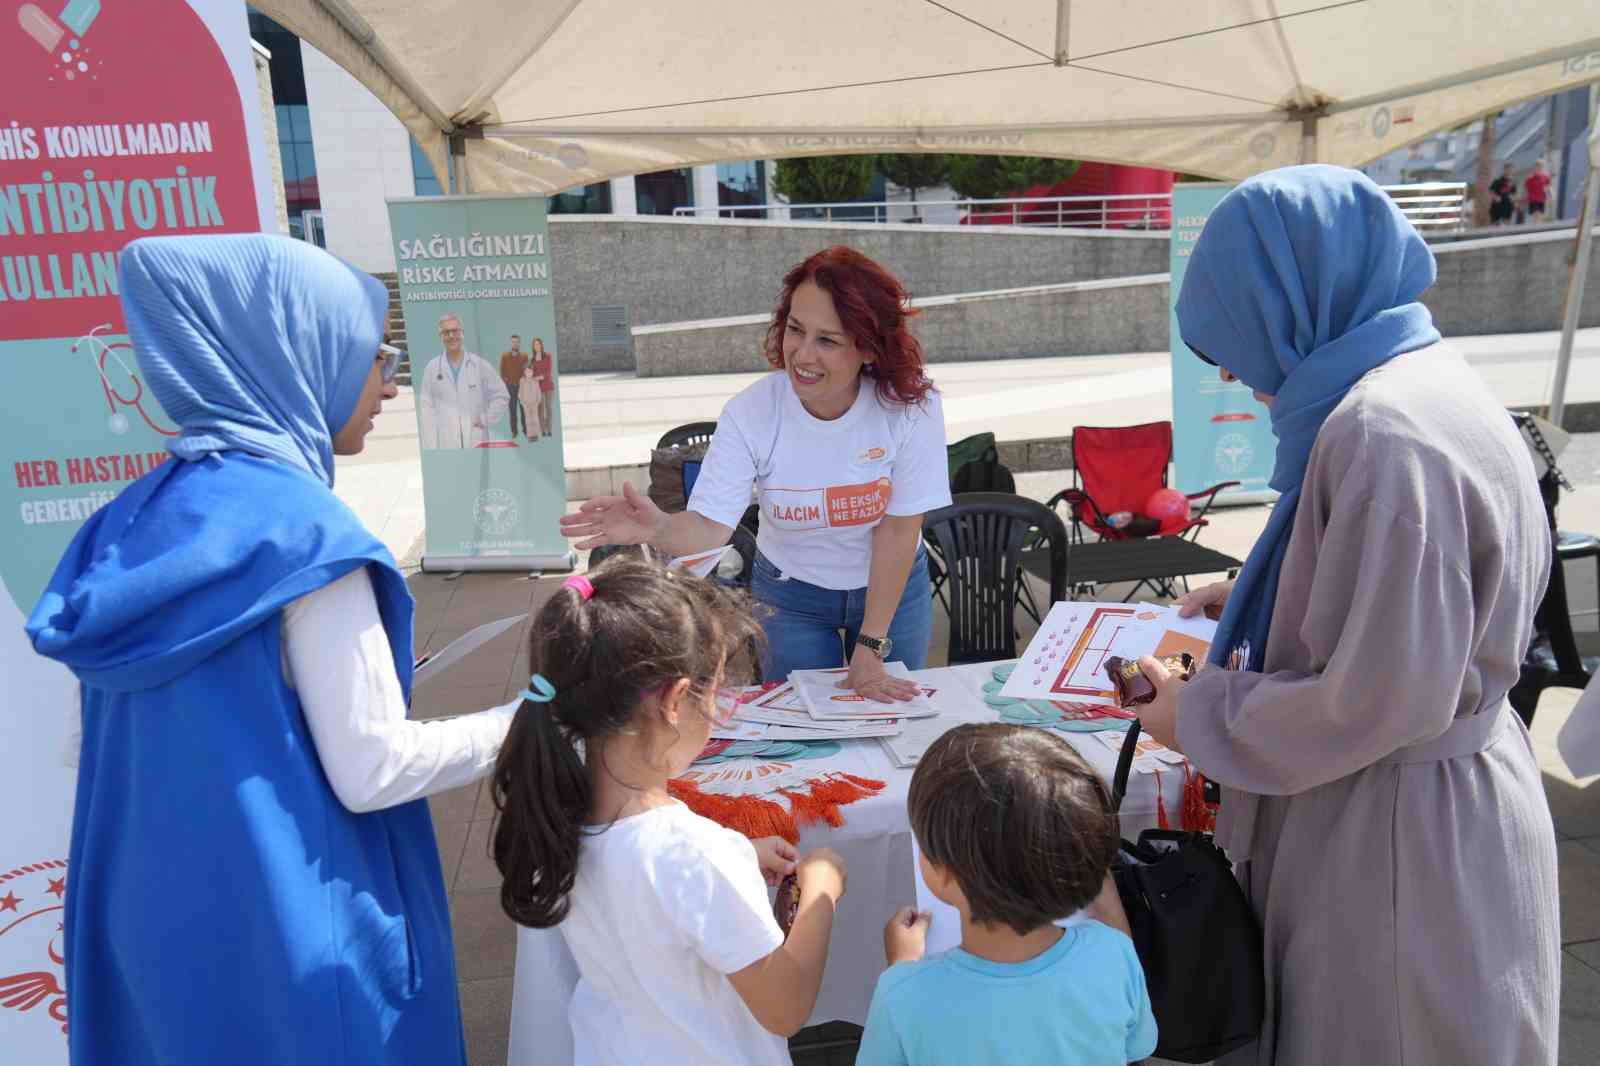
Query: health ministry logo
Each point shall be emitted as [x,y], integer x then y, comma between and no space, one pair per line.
[32,963]
[1233,453]
[495,512]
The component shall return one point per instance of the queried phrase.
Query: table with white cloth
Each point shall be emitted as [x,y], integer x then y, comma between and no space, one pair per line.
[875,843]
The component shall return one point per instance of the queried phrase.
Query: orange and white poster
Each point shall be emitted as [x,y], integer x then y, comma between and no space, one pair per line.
[1066,659]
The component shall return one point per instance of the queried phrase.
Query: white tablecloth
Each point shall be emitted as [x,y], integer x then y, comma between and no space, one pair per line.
[875,843]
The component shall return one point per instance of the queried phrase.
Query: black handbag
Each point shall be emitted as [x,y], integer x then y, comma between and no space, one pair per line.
[1195,933]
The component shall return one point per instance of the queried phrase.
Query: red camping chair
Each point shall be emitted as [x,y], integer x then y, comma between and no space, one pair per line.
[1117,469]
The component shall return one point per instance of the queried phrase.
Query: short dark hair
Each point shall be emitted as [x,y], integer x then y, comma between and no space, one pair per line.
[1018,817]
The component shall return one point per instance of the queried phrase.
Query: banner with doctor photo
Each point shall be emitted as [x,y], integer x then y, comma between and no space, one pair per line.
[474,275]
[1219,431]
[97,148]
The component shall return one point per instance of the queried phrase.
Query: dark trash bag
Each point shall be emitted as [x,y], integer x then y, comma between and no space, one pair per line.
[1195,933]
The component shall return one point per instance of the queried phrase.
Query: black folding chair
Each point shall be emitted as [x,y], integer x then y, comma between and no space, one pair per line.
[979,540]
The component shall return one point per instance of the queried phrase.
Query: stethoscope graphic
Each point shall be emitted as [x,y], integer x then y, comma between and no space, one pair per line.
[118,422]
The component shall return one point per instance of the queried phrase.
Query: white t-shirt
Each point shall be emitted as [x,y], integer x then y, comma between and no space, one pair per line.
[665,905]
[822,486]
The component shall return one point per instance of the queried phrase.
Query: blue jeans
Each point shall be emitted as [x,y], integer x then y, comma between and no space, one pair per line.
[803,622]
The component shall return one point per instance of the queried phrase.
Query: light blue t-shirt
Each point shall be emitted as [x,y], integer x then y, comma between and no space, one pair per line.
[1081,1003]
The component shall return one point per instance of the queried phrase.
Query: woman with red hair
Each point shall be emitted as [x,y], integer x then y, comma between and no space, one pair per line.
[844,447]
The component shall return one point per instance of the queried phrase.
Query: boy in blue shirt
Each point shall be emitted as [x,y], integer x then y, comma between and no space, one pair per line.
[1016,832]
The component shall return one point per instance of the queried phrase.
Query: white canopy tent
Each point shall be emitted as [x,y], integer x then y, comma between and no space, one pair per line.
[543,95]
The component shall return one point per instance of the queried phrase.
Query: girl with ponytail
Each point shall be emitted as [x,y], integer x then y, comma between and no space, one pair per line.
[679,956]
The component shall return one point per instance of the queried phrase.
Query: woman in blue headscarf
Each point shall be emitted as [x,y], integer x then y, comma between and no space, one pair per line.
[254,873]
[1384,803]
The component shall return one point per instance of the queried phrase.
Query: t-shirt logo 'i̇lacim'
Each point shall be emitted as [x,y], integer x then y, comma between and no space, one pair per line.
[828,508]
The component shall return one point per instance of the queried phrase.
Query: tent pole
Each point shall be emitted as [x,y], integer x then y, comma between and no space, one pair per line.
[1580,265]
[1309,130]
[1063,29]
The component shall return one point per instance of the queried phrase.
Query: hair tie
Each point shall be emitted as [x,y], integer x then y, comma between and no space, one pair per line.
[581,585]
[539,690]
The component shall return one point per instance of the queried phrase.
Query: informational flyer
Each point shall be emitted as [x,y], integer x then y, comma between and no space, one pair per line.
[1066,659]
[117,121]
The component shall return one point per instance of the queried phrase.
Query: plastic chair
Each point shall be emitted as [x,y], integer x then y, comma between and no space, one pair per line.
[691,433]
[1117,469]
[979,540]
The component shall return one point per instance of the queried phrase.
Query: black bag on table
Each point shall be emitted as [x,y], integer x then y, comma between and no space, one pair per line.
[1195,933]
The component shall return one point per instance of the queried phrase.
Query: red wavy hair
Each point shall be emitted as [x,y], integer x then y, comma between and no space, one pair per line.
[874,309]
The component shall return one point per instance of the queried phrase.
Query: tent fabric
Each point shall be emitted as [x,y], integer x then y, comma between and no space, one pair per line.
[567,92]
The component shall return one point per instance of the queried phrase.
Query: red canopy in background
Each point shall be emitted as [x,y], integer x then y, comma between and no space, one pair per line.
[1091,180]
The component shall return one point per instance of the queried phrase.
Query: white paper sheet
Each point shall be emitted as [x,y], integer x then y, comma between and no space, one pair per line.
[1066,658]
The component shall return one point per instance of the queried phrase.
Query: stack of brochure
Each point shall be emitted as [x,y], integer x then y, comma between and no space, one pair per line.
[780,714]
[827,702]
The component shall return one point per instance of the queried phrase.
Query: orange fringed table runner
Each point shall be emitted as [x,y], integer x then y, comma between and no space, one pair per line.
[1196,815]
[758,816]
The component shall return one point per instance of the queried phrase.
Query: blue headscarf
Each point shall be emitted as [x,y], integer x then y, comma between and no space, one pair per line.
[252,343]
[1303,280]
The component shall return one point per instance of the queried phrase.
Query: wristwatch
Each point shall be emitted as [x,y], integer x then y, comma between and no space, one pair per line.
[879,646]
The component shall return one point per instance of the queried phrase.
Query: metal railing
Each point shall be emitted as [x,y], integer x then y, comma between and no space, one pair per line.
[1431,206]
[1126,211]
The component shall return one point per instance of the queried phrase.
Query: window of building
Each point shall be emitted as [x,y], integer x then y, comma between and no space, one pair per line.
[424,180]
[294,120]
[660,192]
[742,184]
[590,200]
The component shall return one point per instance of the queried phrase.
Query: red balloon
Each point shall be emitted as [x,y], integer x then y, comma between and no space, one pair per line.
[1169,507]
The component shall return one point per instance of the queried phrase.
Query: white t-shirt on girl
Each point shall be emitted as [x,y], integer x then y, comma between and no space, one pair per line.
[822,486]
[665,905]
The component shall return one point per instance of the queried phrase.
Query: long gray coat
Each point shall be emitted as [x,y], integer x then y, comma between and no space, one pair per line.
[1404,878]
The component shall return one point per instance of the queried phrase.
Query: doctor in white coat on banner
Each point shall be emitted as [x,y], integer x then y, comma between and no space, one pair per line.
[460,395]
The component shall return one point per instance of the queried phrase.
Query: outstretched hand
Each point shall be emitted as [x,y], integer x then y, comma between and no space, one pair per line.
[631,518]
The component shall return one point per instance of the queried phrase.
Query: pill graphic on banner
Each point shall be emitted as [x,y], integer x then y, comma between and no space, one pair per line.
[80,14]
[41,27]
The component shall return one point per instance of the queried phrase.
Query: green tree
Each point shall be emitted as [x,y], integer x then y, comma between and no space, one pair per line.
[823,179]
[913,171]
[991,177]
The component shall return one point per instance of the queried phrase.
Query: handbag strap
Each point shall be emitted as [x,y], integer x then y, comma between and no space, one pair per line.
[1119,780]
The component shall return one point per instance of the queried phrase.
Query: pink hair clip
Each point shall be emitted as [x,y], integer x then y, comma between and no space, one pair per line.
[581,585]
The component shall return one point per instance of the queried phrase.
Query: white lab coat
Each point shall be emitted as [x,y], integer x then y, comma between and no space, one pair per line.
[456,412]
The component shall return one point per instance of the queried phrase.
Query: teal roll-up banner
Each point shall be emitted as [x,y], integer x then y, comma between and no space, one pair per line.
[1219,431]
[475,286]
